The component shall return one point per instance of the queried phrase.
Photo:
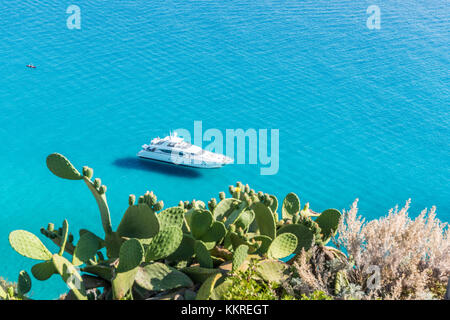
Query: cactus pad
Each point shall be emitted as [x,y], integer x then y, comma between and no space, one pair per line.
[61,167]
[264,244]
[272,271]
[304,236]
[202,254]
[171,217]
[199,274]
[328,222]
[264,219]
[204,293]
[200,222]
[291,205]
[139,221]
[43,270]
[160,277]
[185,250]
[224,208]
[70,276]
[28,245]
[164,244]
[239,256]
[86,248]
[23,283]
[245,219]
[215,234]
[130,256]
[282,246]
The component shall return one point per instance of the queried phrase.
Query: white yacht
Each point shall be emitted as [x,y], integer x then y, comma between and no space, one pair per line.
[173,149]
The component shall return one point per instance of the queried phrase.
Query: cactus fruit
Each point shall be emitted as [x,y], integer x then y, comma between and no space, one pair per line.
[158,206]
[204,293]
[239,256]
[61,167]
[274,205]
[23,283]
[291,205]
[264,220]
[171,217]
[328,222]
[222,195]
[28,245]
[88,172]
[282,246]
[130,256]
[304,236]
[131,199]
[202,254]
[263,244]
[102,189]
[139,221]
[164,244]
[97,183]
[160,277]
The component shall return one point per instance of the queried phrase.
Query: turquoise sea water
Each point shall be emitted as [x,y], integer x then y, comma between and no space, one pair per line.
[362,113]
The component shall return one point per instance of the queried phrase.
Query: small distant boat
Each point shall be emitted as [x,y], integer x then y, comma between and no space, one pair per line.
[31,66]
[174,150]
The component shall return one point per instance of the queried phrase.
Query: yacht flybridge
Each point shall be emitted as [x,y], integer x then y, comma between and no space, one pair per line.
[173,149]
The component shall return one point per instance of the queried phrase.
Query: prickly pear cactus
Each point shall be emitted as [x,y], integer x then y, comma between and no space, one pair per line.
[272,271]
[160,277]
[205,291]
[23,283]
[328,222]
[28,245]
[214,234]
[305,237]
[199,274]
[263,242]
[44,270]
[291,206]
[264,220]
[202,254]
[200,222]
[185,250]
[282,246]
[70,276]
[139,221]
[245,219]
[224,208]
[164,244]
[239,256]
[61,167]
[130,256]
[171,217]
[86,248]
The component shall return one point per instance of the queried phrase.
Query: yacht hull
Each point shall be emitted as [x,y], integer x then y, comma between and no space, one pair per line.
[189,164]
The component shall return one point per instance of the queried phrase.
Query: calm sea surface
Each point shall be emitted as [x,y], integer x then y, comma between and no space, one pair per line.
[361,113]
